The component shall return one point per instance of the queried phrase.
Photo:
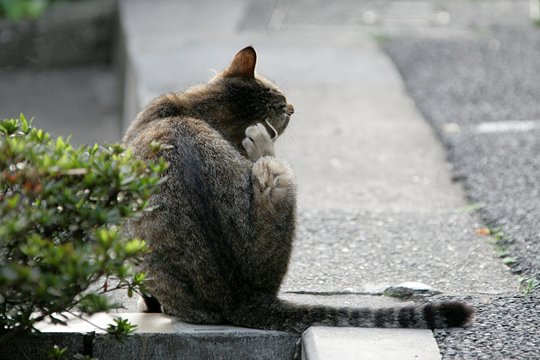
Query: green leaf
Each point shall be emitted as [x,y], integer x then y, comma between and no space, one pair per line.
[139,278]
[24,124]
[121,328]
[135,247]
[13,201]
[57,352]
[509,260]
[104,237]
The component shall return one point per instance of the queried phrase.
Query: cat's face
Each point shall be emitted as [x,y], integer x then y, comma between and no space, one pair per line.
[252,98]
[278,109]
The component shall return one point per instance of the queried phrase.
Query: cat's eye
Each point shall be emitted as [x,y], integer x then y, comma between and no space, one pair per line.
[279,107]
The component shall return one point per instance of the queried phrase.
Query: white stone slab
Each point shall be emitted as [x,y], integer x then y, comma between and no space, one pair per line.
[326,343]
[146,323]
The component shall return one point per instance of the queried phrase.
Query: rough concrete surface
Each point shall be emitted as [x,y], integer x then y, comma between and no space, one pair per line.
[195,346]
[337,250]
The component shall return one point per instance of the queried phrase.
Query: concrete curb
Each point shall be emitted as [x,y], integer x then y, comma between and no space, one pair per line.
[228,344]
[322,343]
[160,336]
[157,336]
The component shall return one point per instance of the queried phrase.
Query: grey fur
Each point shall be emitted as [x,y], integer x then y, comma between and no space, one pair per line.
[222,226]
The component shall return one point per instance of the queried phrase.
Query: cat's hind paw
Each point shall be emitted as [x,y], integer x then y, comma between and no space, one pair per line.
[258,142]
[273,179]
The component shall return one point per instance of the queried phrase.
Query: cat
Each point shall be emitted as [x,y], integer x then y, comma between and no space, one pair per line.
[222,225]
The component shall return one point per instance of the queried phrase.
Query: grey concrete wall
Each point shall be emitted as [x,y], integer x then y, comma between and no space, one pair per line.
[72,33]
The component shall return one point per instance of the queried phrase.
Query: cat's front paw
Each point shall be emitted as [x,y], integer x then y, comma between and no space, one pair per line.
[258,142]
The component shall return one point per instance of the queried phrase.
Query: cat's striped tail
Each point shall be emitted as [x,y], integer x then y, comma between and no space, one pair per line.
[278,314]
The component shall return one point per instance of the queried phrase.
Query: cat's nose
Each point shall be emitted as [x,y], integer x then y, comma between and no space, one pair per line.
[290,109]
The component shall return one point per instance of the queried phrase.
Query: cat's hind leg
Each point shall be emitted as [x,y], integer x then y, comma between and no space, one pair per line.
[272,179]
[148,304]
[274,188]
[272,213]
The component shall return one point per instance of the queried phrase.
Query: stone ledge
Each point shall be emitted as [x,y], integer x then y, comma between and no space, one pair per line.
[192,346]
[158,336]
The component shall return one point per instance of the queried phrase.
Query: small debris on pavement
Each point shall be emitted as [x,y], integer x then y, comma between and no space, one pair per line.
[410,289]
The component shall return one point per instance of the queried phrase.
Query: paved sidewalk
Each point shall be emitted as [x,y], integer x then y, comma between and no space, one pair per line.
[372,177]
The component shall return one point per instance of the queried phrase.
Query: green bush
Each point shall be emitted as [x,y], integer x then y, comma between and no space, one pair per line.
[24,9]
[61,214]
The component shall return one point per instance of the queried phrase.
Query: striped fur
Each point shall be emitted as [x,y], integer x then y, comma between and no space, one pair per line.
[283,315]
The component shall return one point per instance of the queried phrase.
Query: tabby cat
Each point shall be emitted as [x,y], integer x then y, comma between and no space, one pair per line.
[222,226]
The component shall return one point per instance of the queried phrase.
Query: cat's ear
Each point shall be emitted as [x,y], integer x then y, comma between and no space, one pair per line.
[243,64]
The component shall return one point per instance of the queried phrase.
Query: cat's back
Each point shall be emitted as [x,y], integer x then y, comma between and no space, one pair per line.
[206,186]
[182,134]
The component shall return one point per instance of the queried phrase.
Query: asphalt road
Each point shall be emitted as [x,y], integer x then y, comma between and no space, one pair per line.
[480,92]
[505,327]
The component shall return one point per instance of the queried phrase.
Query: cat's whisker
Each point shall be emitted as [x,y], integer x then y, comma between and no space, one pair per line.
[298,112]
[290,141]
[282,82]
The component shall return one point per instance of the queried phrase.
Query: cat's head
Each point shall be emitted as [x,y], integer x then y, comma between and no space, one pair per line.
[251,98]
